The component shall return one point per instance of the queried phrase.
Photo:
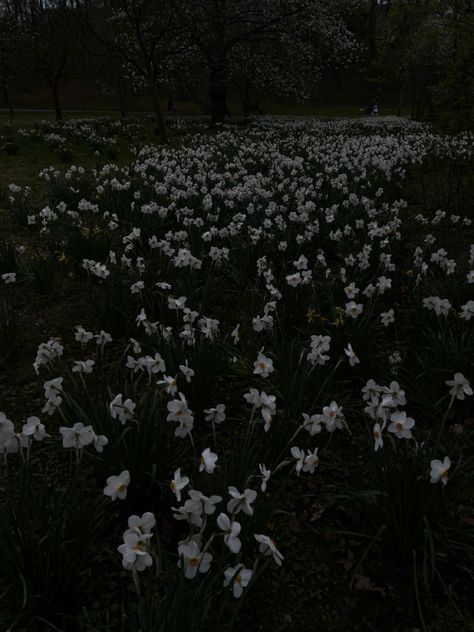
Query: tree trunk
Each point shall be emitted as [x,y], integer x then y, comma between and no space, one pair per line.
[245,100]
[57,104]
[217,95]
[160,123]
[8,102]
[401,97]
[372,31]
[199,100]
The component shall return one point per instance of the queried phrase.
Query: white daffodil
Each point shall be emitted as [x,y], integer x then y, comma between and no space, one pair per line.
[122,410]
[439,470]
[263,366]
[8,439]
[178,410]
[78,436]
[169,383]
[268,547]
[401,425]
[137,287]
[377,434]
[208,461]
[354,309]
[351,290]
[82,335]
[266,403]
[83,367]
[311,461]
[298,455]
[208,503]
[152,365]
[235,334]
[52,388]
[395,396]
[178,483]
[460,386]
[47,353]
[186,371]
[185,427]
[9,277]
[313,424]
[102,338]
[136,346]
[333,417]
[241,502]
[34,428]
[467,311]
[231,532]
[117,485]
[371,390]
[216,415]
[192,511]
[252,397]
[193,560]
[388,317]
[268,409]
[265,477]
[350,353]
[240,578]
[135,555]
[141,525]
[100,441]
[177,303]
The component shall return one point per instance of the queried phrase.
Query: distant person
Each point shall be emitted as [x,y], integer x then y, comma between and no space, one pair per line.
[375,109]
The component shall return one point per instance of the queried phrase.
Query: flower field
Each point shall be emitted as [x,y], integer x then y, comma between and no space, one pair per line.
[237,378]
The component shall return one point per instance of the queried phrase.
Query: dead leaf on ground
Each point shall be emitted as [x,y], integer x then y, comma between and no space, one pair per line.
[363,584]
[317,511]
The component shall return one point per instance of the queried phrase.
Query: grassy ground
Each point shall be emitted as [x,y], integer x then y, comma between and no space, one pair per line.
[25,118]
[321,561]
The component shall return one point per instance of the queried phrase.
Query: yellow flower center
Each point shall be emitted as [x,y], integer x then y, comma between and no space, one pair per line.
[194,561]
[122,487]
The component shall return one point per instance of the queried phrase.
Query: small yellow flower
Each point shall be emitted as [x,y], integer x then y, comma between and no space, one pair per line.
[311,315]
[339,320]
